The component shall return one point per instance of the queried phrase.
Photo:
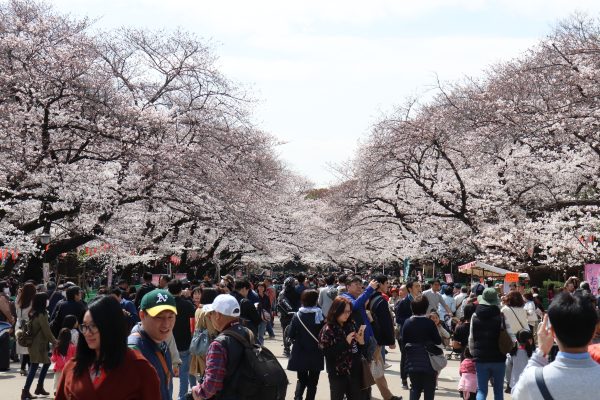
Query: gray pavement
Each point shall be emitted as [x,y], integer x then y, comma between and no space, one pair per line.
[11,382]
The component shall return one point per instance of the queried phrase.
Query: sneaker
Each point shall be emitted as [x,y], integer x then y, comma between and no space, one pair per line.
[405,385]
[387,366]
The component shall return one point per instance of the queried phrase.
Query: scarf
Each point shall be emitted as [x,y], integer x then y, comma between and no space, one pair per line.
[317,310]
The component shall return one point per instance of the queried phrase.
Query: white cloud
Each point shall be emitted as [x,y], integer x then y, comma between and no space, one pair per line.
[324,70]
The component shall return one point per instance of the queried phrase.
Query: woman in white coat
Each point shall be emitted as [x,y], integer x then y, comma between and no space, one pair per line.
[23,306]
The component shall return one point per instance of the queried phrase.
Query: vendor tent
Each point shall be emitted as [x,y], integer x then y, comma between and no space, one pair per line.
[478,268]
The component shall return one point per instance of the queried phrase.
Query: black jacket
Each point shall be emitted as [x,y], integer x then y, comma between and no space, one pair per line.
[417,333]
[380,310]
[64,308]
[145,288]
[181,330]
[403,312]
[306,354]
[486,324]
[248,313]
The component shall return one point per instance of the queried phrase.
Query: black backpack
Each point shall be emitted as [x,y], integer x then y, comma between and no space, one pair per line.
[260,375]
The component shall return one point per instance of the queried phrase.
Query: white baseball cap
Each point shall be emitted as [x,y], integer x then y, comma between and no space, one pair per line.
[224,304]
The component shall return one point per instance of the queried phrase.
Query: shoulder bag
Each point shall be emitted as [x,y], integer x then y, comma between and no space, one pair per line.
[436,356]
[541,383]
[517,317]
[309,332]
[505,343]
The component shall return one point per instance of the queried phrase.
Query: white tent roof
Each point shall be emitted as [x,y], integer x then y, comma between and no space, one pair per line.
[485,270]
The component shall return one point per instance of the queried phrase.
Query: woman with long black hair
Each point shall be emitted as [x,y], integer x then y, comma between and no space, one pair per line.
[104,367]
[343,347]
[22,308]
[38,352]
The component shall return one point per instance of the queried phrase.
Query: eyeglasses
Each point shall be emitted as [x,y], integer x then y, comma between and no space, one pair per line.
[91,328]
[347,311]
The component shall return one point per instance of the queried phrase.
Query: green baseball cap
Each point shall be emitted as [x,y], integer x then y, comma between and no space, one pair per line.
[156,301]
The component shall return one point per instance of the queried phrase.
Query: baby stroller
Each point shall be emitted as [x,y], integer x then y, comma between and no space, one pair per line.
[456,348]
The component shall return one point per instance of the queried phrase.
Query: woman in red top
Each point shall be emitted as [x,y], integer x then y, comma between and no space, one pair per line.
[103,367]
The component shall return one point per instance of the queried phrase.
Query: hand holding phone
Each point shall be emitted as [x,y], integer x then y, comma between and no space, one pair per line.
[545,337]
[350,336]
[361,330]
[360,336]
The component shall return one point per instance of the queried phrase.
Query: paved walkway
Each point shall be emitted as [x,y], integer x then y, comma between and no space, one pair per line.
[11,382]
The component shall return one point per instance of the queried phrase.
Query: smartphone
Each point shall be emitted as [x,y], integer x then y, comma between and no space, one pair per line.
[361,330]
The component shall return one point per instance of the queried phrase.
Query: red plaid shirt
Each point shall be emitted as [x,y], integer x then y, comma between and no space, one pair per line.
[216,366]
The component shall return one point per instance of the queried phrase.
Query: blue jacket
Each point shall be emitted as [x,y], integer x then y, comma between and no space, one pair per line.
[359,305]
[139,340]
[128,306]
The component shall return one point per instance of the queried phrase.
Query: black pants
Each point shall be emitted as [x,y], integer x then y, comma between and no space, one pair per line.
[307,380]
[422,382]
[403,372]
[286,341]
[24,361]
[348,385]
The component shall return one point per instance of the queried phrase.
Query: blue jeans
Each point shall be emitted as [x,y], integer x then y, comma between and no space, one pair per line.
[31,375]
[270,328]
[494,370]
[185,379]
[262,327]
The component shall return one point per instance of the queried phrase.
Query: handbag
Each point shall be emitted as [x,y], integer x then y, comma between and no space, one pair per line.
[200,342]
[376,366]
[505,343]
[436,358]
[266,316]
[367,376]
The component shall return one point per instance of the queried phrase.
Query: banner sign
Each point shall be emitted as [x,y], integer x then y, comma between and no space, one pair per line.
[449,278]
[109,278]
[46,271]
[406,266]
[511,277]
[592,275]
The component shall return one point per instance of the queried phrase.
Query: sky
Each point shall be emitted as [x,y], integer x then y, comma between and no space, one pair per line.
[324,71]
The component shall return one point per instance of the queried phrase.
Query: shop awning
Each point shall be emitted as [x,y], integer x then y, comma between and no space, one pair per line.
[484,270]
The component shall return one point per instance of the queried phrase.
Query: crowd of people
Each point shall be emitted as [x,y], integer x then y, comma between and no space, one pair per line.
[130,343]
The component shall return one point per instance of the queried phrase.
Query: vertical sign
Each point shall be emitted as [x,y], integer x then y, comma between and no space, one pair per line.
[406,263]
[109,277]
[46,271]
[592,275]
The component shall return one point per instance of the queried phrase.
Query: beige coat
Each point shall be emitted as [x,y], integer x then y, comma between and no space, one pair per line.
[42,336]
[197,363]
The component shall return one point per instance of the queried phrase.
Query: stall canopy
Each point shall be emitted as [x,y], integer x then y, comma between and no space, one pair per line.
[478,268]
